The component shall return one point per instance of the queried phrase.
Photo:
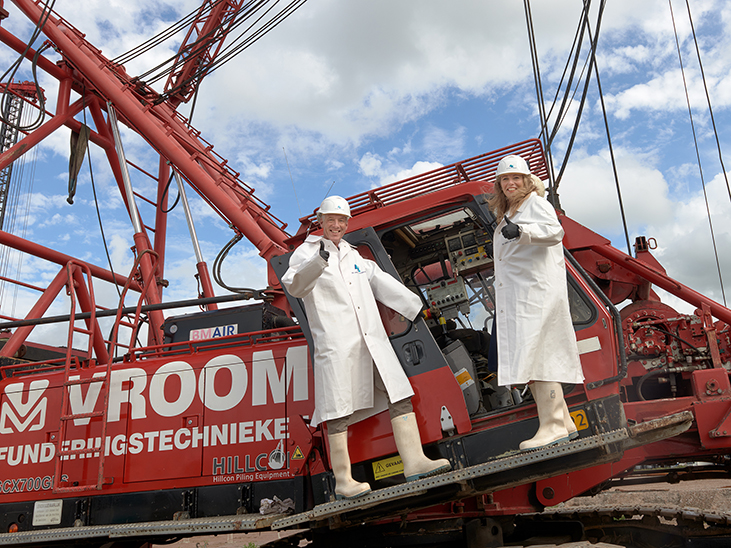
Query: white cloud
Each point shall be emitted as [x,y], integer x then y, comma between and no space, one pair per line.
[366,93]
[686,243]
[588,192]
[371,165]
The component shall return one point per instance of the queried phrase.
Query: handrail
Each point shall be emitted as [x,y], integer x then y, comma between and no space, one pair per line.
[259,295]
[478,168]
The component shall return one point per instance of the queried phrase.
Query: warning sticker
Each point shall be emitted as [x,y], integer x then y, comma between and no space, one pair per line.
[298,455]
[388,467]
[464,378]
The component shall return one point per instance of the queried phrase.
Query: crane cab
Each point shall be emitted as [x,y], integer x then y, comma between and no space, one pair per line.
[443,253]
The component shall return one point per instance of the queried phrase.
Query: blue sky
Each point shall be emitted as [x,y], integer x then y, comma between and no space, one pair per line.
[361,93]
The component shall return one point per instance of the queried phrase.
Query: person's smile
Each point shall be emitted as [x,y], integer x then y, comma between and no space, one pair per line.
[334,227]
[511,183]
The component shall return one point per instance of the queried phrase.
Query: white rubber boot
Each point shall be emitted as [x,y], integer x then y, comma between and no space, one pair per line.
[550,406]
[568,422]
[408,442]
[345,486]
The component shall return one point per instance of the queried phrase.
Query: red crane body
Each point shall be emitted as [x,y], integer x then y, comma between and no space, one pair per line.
[192,432]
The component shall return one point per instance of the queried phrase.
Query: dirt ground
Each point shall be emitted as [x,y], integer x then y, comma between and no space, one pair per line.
[712,495]
[230,540]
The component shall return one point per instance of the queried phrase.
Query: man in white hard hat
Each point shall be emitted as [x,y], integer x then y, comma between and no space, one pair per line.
[536,342]
[339,289]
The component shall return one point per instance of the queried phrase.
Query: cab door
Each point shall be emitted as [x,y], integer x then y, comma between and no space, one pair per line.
[438,395]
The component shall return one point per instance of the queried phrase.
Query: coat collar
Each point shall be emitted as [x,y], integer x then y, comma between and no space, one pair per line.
[525,202]
[344,247]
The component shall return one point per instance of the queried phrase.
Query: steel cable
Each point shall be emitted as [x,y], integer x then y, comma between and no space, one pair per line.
[698,154]
[708,99]
[239,44]
[10,73]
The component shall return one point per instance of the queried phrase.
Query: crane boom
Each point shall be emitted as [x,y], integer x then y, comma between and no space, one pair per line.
[166,131]
[200,47]
[12,113]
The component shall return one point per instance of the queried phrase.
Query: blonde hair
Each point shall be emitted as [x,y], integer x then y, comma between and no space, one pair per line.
[500,204]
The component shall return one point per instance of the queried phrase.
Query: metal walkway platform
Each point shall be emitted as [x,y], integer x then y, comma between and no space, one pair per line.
[195,526]
[509,461]
[629,437]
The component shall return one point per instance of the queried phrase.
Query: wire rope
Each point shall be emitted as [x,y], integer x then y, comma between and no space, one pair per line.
[708,99]
[594,41]
[155,73]
[541,107]
[239,44]
[575,54]
[565,112]
[17,211]
[26,213]
[544,117]
[572,139]
[223,57]
[18,169]
[161,37]
[13,69]
[181,55]
[98,211]
[293,6]
[697,153]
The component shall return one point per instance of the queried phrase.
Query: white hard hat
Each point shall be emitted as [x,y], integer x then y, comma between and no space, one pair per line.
[512,164]
[334,205]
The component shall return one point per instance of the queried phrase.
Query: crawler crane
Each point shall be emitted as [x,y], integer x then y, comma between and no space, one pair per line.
[195,430]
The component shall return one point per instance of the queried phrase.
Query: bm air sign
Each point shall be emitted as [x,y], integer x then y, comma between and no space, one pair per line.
[213,332]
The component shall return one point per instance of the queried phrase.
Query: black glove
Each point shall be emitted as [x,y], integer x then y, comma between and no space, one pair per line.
[324,253]
[510,231]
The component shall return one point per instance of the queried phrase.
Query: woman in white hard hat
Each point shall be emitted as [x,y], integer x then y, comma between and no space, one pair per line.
[339,289]
[536,342]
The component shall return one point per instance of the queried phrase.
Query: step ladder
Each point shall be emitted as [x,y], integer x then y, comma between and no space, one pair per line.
[64,446]
[64,450]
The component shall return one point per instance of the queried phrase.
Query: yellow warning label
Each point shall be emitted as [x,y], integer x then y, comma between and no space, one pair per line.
[388,467]
[464,378]
[580,420]
[298,454]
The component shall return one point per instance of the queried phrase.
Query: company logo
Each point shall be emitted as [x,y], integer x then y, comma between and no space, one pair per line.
[214,332]
[264,379]
[31,414]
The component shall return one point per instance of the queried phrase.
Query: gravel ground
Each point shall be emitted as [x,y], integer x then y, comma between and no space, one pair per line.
[713,495]
[230,540]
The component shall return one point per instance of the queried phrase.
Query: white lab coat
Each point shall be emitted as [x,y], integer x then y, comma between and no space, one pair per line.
[340,301]
[535,336]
